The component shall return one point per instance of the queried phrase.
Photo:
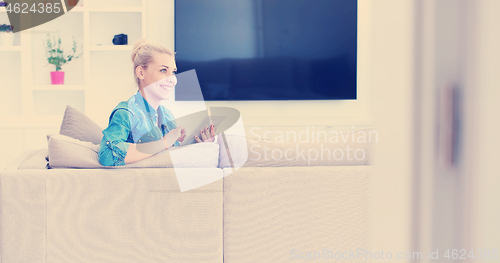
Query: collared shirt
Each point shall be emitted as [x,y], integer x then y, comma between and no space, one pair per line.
[133,121]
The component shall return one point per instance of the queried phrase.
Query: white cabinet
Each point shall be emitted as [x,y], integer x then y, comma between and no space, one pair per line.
[91,82]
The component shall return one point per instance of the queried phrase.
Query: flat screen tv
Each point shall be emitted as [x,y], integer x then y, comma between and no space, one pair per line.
[268,49]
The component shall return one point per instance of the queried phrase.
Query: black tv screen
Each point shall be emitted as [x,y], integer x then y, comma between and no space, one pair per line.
[268,49]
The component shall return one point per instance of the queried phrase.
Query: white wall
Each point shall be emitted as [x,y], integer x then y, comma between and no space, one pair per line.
[484,177]
[391,67]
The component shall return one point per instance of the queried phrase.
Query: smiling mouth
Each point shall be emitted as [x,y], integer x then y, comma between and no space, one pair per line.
[166,87]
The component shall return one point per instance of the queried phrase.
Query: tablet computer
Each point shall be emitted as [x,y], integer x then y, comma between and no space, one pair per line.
[193,123]
[195,130]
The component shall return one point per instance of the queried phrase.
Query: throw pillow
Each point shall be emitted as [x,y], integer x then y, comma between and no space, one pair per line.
[76,125]
[67,152]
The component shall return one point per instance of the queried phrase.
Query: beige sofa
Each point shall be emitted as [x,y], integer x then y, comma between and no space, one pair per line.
[258,213]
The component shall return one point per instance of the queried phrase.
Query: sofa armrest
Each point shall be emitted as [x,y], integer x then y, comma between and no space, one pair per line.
[132,215]
[14,165]
[22,214]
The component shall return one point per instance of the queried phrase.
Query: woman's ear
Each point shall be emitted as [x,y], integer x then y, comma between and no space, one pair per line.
[139,71]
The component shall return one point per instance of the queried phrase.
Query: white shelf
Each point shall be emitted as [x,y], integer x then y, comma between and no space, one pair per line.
[116,23]
[54,102]
[48,121]
[111,48]
[32,100]
[111,9]
[120,9]
[58,87]
[11,48]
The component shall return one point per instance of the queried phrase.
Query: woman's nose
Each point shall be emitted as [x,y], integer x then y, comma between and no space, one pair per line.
[173,79]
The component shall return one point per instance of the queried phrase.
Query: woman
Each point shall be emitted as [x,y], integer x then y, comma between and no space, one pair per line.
[140,127]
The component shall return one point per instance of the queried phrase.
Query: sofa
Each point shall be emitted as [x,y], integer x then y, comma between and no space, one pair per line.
[265,210]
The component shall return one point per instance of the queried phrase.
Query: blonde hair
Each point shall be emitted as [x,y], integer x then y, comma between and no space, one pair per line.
[142,54]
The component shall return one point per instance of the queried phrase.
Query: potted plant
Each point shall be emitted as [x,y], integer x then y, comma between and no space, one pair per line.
[6,35]
[57,57]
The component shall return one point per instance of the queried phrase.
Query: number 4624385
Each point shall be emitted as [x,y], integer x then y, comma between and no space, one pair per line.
[477,254]
[24,8]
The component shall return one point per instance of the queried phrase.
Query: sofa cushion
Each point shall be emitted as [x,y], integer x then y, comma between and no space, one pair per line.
[281,211]
[67,152]
[76,125]
[351,148]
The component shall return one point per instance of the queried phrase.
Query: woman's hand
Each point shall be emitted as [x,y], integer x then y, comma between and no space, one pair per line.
[206,134]
[177,134]
[183,134]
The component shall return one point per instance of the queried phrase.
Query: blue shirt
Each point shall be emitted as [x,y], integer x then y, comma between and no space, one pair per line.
[133,121]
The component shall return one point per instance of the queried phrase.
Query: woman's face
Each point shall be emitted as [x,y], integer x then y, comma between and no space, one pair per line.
[159,77]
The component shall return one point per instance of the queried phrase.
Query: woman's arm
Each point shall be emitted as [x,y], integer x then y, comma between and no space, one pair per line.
[113,147]
[134,155]
[114,150]
[141,151]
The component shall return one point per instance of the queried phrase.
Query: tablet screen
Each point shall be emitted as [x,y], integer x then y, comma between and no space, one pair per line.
[193,129]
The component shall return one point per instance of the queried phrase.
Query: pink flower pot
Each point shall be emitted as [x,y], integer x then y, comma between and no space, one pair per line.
[57,77]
